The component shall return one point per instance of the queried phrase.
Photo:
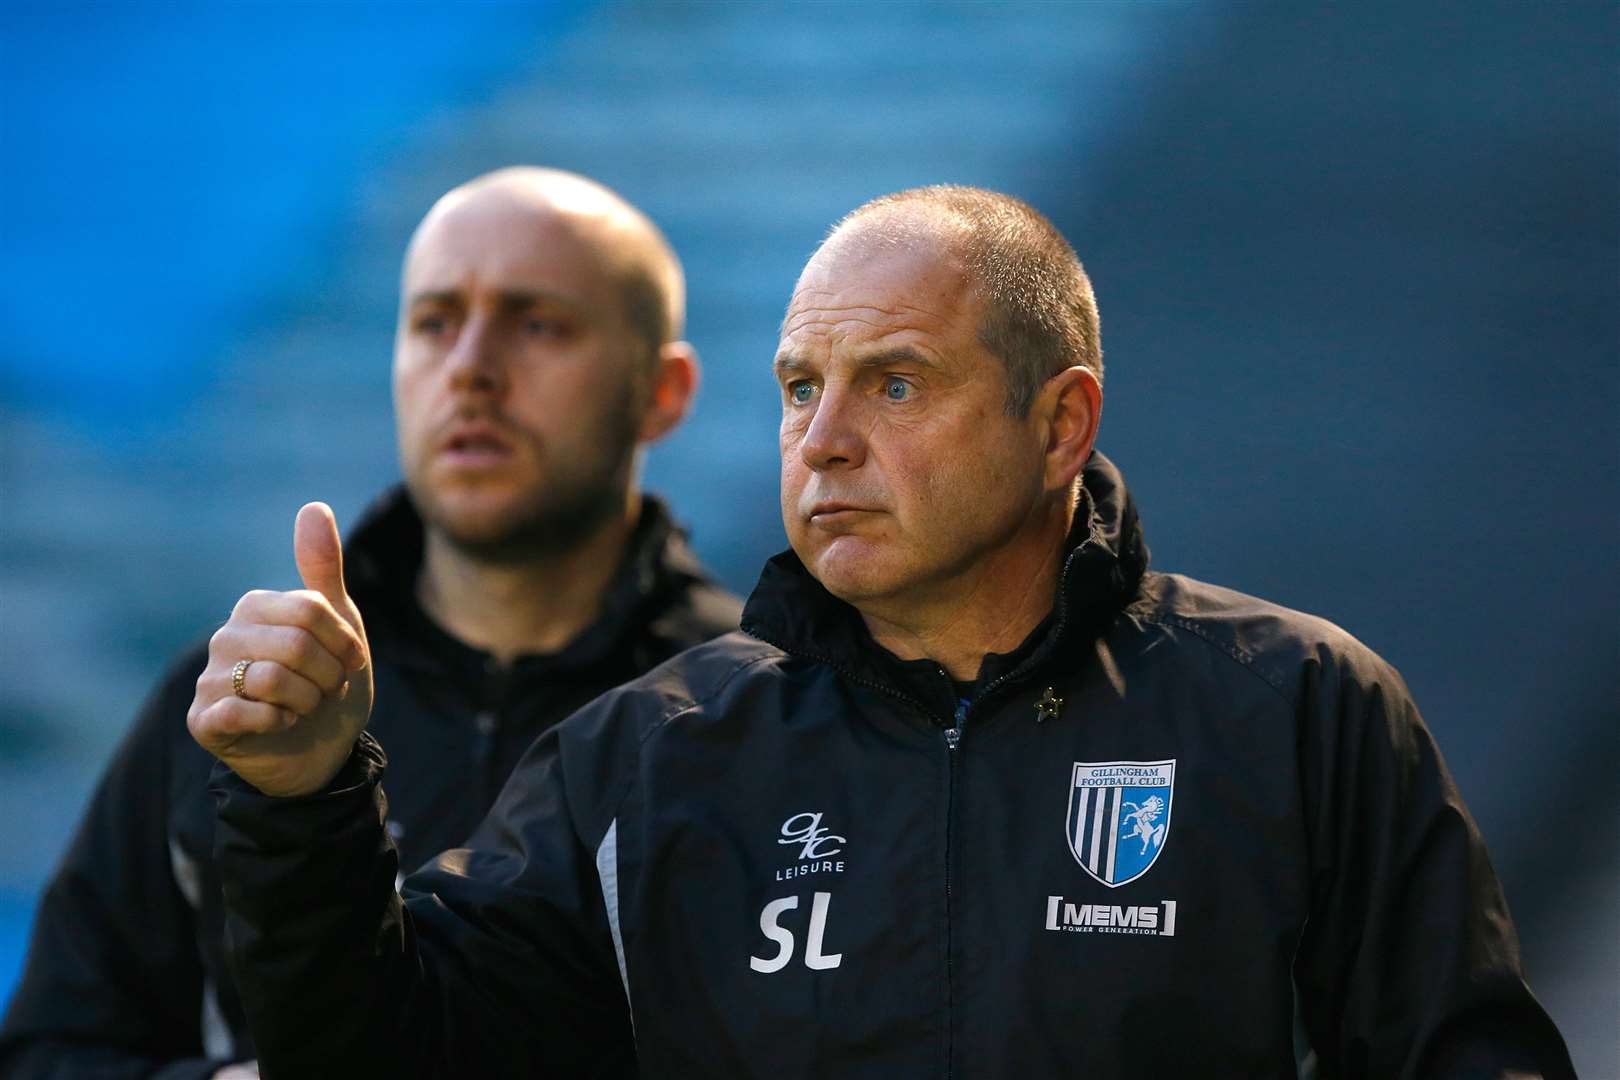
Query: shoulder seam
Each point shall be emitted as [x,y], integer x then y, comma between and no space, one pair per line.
[677,710]
[1239,656]
[688,706]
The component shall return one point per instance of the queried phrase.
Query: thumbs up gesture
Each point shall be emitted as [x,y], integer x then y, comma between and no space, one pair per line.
[287,689]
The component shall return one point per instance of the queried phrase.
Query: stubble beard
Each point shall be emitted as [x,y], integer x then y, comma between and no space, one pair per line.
[565,512]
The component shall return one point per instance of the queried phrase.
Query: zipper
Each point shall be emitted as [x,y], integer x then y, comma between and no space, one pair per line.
[487,724]
[953,739]
[953,735]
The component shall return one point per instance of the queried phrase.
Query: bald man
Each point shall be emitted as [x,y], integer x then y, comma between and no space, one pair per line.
[518,573]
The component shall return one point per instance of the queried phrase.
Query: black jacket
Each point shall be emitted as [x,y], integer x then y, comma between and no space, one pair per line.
[1177,830]
[125,974]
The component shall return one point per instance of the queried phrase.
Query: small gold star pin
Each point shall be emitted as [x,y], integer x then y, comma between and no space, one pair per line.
[1047,707]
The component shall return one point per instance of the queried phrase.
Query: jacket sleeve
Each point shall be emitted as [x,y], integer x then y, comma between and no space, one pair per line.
[1409,963]
[112,984]
[495,960]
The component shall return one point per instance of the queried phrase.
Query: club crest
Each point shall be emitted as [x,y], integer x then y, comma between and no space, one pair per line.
[1119,817]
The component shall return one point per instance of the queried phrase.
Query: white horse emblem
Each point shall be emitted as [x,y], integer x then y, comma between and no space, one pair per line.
[1143,821]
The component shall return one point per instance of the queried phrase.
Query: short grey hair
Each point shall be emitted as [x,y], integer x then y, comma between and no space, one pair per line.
[1040,315]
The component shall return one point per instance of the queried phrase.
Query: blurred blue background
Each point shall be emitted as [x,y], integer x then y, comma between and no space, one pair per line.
[1357,266]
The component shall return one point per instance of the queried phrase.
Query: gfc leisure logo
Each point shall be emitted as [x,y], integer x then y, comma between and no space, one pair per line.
[816,843]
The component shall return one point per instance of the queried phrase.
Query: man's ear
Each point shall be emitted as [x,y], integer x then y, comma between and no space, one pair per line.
[1069,407]
[674,383]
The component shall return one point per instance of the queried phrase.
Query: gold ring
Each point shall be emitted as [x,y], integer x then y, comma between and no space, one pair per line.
[239,679]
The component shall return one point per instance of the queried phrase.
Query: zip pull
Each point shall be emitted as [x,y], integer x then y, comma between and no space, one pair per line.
[953,736]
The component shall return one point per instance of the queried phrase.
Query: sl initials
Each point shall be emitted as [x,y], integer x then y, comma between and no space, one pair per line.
[814,958]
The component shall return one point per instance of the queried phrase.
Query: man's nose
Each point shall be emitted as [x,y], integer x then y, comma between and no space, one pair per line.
[474,364]
[836,437]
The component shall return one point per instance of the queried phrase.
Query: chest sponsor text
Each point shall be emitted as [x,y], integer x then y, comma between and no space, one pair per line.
[1156,920]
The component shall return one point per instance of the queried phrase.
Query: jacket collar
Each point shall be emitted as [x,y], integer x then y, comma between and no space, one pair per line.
[384,555]
[1102,571]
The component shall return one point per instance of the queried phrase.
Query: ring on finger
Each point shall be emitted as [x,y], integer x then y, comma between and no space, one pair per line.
[239,679]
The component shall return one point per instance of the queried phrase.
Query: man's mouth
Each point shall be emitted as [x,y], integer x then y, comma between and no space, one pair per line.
[474,446]
[833,512]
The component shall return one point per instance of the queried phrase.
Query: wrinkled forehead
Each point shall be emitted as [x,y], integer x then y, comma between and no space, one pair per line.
[875,281]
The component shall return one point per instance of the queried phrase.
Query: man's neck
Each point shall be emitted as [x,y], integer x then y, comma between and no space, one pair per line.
[991,611]
[513,607]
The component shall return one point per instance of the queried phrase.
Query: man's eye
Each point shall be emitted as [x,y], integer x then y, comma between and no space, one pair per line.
[896,389]
[430,324]
[801,393]
[543,328]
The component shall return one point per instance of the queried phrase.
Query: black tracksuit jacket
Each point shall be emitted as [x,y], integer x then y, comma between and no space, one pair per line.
[126,975]
[1180,832]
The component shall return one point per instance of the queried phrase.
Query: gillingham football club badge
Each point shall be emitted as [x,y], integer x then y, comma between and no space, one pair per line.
[1119,817]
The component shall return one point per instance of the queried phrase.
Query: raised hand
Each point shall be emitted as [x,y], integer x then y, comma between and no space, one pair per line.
[287,689]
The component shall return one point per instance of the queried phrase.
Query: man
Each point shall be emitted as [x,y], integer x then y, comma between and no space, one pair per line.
[519,574]
[973,793]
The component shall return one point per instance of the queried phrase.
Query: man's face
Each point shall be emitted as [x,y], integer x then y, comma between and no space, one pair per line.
[516,377]
[902,475]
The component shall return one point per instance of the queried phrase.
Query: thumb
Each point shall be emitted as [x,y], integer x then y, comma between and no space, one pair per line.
[319,552]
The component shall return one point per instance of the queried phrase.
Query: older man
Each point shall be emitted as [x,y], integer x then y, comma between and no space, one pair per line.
[518,574]
[973,794]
